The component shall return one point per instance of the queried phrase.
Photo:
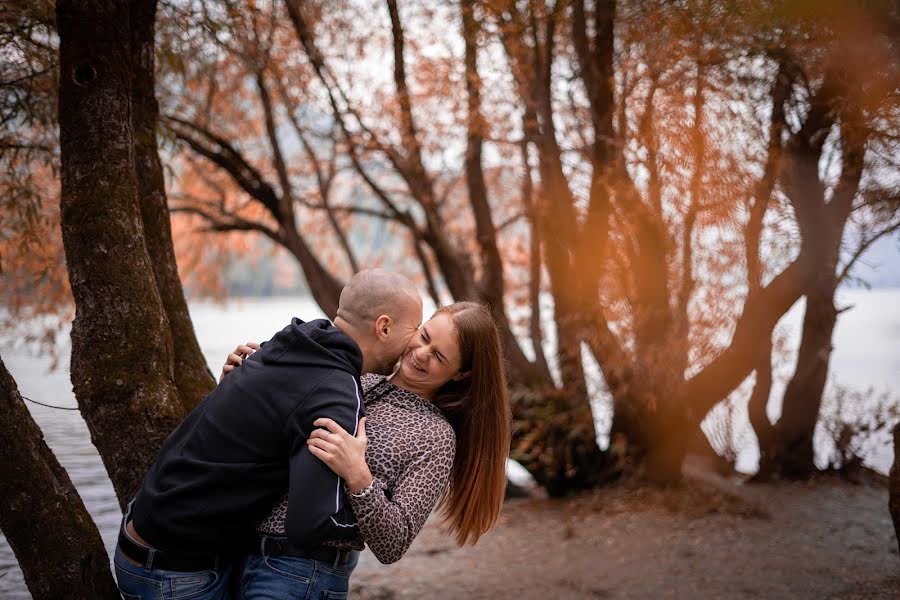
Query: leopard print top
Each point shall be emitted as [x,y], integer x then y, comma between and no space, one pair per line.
[410,454]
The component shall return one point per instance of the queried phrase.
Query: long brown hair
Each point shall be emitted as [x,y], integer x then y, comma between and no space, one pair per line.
[479,411]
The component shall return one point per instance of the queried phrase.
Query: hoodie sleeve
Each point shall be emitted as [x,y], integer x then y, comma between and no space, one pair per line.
[314,491]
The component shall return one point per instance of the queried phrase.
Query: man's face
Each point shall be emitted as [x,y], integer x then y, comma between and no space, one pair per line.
[393,345]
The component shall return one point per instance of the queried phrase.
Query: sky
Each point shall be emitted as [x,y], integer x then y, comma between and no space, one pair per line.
[880,265]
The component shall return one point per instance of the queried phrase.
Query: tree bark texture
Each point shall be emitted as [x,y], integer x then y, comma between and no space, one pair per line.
[121,346]
[192,376]
[50,531]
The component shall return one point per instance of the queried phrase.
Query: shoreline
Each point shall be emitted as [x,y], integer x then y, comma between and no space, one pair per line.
[706,538]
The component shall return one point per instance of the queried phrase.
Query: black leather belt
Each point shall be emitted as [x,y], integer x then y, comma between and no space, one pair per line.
[165,560]
[282,547]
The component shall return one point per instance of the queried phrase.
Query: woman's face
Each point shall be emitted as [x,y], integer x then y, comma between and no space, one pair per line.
[432,357]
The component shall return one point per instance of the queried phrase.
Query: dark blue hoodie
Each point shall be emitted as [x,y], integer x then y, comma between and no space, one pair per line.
[222,470]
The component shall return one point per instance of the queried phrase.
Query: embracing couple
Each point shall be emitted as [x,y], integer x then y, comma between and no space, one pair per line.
[313,445]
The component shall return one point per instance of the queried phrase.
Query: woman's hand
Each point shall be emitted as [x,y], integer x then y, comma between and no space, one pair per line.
[235,359]
[343,453]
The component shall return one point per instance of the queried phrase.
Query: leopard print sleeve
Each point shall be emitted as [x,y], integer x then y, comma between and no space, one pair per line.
[389,519]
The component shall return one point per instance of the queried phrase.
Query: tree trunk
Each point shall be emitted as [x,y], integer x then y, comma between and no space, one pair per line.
[665,456]
[54,539]
[121,346]
[323,285]
[192,377]
[803,396]
[894,503]
[656,434]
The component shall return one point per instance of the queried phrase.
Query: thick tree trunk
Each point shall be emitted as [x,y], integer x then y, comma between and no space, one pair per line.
[55,541]
[192,377]
[894,504]
[656,433]
[121,346]
[665,456]
[803,396]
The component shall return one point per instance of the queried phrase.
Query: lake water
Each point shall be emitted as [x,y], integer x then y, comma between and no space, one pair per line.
[866,342]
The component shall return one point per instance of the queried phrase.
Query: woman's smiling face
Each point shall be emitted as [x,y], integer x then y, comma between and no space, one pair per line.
[432,357]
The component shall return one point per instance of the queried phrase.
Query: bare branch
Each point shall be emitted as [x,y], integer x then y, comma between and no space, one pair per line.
[227,222]
[865,245]
[222,153]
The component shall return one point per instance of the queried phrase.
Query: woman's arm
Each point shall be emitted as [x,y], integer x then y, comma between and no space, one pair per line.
[388,520]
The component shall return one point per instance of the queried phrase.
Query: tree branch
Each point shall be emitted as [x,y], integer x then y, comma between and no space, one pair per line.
[865,245]
[231,161]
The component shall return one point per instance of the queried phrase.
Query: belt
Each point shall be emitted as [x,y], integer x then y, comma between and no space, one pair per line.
[157,559]
[270,546]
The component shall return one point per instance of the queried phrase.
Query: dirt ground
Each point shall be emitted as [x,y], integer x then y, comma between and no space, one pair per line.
[708,538]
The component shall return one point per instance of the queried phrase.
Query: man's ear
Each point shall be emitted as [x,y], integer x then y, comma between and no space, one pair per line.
[462,375]
[383,326]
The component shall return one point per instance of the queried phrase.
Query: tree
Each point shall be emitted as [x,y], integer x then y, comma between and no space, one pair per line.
[41,513]
[615,125]
[192,376]
[122,348]
[851,123]
[114,218]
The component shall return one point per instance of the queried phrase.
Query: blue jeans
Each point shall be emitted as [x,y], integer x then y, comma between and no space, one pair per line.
[145,582]
[277,577]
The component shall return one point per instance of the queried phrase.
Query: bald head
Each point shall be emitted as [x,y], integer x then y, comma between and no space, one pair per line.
[376,292]
[380,310]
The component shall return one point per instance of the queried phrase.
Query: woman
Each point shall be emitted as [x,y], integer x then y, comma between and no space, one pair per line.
[438,434]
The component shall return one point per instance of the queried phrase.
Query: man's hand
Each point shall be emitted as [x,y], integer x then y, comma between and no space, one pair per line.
[343,453]
[237,357]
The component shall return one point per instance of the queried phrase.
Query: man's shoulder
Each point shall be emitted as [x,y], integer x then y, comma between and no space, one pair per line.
[330,387]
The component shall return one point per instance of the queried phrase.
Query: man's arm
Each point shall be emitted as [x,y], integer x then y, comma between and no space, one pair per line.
[314,495]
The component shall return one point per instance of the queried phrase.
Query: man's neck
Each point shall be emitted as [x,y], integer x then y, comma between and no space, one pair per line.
[352,333]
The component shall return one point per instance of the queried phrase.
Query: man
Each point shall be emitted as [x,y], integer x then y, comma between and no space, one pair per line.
[224,467]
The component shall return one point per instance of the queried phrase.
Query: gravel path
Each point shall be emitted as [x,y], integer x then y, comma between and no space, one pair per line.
[708,538]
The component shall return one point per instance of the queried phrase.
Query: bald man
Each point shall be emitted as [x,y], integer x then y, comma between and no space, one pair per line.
[221,471]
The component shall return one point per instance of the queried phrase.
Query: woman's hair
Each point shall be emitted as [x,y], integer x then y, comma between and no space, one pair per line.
[478,409]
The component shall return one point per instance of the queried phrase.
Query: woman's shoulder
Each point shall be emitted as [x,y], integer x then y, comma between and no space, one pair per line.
[443,431]
[437,429]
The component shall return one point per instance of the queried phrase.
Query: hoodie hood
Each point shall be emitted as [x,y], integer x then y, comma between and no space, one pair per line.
[316,344]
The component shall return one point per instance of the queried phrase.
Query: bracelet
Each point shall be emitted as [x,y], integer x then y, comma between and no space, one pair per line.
[366,491]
